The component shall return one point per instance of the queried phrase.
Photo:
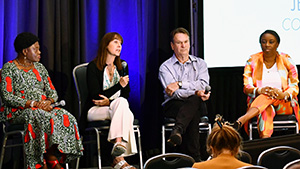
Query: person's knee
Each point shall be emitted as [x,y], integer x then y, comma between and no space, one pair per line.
[121,100]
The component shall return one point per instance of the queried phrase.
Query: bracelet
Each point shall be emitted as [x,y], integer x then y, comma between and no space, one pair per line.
[259,90]
[31,103]
[286,97]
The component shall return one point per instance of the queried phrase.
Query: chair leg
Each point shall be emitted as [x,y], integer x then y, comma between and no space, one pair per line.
[140,146]
[67,165]
[78,159]
[77,163]
[98,147]
[24,156]
[209,129]
[163,135]
[3,150]
[250,131]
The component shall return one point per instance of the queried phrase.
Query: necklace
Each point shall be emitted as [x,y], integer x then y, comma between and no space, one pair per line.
[111,71]
[23,64]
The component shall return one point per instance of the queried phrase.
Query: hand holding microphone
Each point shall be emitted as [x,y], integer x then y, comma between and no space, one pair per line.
[124,65]
[60,103]
[204,94]
[125,78]
[207,89]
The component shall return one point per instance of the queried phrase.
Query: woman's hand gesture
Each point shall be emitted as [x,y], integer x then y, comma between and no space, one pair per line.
[104,102]
[124,81]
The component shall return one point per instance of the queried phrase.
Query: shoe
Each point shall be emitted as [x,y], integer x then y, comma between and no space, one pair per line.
[122,165]
[237,125]
[175,138]
[118,149]
[53,163]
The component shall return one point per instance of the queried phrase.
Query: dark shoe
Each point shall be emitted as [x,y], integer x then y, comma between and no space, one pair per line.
[175,138]
[237,125]
[118,149]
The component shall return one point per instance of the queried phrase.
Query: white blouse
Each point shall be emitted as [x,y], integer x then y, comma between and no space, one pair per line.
[108,84]
[271,77]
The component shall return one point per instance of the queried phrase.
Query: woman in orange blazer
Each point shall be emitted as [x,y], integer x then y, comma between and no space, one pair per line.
[271,83]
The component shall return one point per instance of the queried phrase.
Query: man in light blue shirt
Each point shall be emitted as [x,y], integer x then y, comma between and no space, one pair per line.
[184,78]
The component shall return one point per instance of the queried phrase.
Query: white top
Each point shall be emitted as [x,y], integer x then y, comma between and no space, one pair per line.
[108,84]
[271,77]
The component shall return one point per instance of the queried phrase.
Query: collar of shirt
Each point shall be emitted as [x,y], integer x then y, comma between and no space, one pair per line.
[174,60]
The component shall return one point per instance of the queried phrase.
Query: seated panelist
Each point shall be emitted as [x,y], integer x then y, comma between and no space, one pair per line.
[108,90]
[271,83]
[51,133]
[184,78]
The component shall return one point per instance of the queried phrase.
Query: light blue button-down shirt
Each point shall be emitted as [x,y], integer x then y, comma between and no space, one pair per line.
[193,74]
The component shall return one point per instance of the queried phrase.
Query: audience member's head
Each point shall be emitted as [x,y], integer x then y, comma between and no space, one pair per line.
[223,138]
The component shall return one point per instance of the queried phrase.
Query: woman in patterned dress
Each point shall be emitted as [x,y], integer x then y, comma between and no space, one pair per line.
[108,88]
[271,83]
[51,133]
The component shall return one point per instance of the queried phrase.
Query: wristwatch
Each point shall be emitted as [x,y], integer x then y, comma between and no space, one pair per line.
[180,84]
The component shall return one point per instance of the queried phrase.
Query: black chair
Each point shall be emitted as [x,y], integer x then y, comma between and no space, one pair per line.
[278,157]
[279,122]
[245,157]
[79,75]
[168,124]
[292,164]
[12,130]
[169,161]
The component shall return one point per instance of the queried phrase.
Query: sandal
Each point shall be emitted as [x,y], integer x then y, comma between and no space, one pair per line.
[123,165]
[53,163]
[118,149]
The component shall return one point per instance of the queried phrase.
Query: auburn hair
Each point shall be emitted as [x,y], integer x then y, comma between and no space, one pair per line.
[102,51]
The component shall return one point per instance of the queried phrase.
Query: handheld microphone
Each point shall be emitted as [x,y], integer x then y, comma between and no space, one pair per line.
[124,65]
[61,103]
[207,89]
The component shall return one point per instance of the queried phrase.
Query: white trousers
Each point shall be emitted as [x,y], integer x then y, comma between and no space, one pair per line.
[121,122]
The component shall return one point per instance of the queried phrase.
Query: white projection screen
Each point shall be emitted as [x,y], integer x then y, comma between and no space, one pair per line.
[232,29]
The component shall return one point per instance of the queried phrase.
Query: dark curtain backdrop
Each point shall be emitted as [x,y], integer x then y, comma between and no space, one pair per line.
[70,31]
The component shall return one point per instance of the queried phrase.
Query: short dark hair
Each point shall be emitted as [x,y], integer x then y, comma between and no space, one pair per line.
[24,40]
[178,30]
[272,33]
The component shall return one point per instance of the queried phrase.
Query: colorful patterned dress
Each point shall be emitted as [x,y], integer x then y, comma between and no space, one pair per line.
[42,129]
[253,73]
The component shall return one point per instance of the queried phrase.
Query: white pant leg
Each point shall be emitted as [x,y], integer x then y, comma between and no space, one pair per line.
[98,113]
[122,124]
